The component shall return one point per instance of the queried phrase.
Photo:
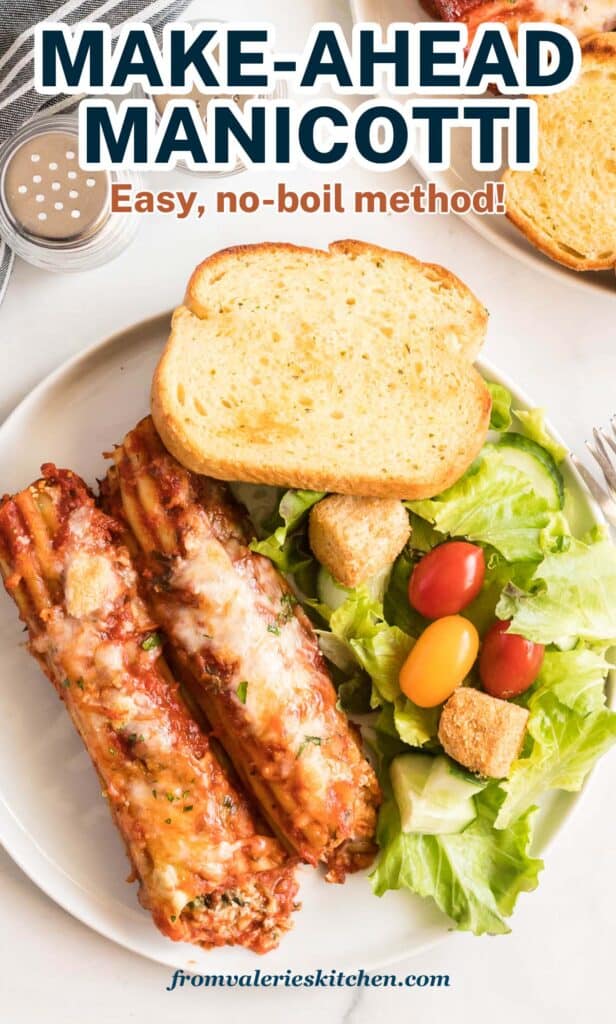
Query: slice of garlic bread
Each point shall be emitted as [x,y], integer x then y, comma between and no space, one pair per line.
[567,205]
[346,371]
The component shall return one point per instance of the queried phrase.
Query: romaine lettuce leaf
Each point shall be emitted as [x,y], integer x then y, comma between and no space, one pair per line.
[354,695]
[474,876]
[499,573]
[423,536]
[382,656]
[279,546]
[415,726]
[294,505]
[573,595]
[575,677]
[500,417]
[557,535]
[359,616]
[380,650]
[396,607]
[533,423]
[397,610]
[336,650]
[566,745]
[386,742]
[494,504]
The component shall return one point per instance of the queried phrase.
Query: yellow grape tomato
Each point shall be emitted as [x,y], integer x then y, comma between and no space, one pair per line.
[442,656]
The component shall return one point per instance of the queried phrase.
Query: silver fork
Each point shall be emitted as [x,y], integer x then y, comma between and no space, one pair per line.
[603,451]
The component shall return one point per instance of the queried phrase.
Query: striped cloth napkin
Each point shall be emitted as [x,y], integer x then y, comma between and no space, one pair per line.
[18,99]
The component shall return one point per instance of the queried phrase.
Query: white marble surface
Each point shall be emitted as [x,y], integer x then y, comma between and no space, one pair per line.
[559,343]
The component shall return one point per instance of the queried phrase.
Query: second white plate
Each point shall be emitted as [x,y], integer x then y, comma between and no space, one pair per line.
[496,228]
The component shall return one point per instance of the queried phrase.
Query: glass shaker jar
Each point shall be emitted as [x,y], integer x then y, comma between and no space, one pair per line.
[52,213]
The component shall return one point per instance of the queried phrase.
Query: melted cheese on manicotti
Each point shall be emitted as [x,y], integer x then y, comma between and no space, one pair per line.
[188,830]
[250,655]
[271,668]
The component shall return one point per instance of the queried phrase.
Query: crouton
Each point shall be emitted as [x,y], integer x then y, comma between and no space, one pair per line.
[481,732]
[356,537]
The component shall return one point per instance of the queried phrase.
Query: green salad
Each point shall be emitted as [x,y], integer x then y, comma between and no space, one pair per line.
[444,832]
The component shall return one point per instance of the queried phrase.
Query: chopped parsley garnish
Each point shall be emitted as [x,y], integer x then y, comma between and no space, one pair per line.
[167,821]
[288,602]
[170,797]
[173,917]
[188,808]
[201,901]
[66,682]
[242,691]
[151,641]
[79,683]
[308,739]
[154,794]
[228,803]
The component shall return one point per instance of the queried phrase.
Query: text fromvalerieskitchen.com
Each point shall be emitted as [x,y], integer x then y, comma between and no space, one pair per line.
[316,979]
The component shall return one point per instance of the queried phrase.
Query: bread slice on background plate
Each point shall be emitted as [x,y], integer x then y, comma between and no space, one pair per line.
[346,371]
[567,205]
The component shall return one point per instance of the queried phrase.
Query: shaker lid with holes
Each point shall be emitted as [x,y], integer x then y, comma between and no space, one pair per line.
[53,213]
[48,196]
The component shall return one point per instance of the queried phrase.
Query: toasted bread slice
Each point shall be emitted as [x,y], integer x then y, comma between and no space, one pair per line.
[567,205]
[346,371]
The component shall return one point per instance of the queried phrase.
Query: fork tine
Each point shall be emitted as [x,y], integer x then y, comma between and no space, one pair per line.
[601,456]
[600,439]
[609,442]
[603,499]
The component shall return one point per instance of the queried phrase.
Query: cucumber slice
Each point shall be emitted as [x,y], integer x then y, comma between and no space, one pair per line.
[447,783]
[537,464]
[438,822]
[411,771]
[433,797]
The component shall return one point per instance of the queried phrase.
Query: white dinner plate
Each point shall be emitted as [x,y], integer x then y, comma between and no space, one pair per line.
[461,174]
[53,820]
